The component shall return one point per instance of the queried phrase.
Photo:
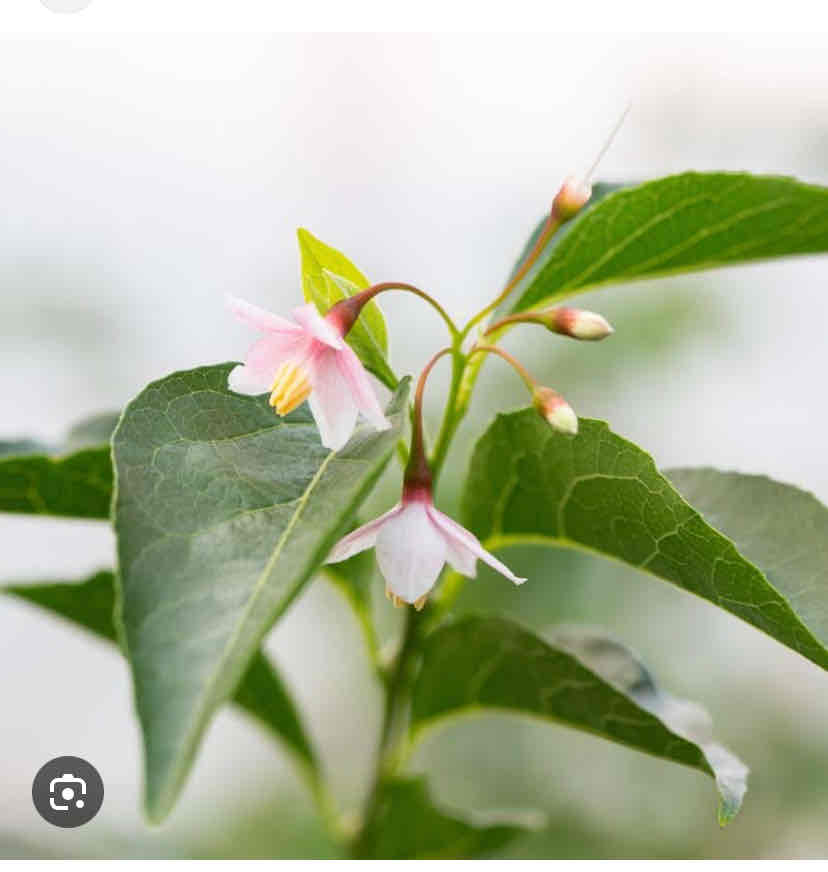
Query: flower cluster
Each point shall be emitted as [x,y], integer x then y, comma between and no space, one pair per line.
[308,358]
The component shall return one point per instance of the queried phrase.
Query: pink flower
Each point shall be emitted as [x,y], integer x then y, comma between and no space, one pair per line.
[306,359]
[413,541]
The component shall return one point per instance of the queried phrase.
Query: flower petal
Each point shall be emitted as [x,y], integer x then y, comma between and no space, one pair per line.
[410,552]
[331,403]
[460,558]
[244,380]
[461,538]
[259,318]
[361,538]
[271,351]
[363,394]
[312,322]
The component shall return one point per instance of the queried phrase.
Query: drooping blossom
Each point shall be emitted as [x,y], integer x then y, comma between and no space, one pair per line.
[307,358]
[413,541]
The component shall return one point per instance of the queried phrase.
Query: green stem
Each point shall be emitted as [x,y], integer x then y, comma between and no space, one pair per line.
[399,683]
[450,422]
[519,368]
[465,369]
[401,671]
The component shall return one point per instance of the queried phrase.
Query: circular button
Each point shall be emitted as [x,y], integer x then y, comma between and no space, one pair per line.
[68,791]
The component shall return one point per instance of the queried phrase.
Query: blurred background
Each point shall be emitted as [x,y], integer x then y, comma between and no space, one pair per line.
[144,177]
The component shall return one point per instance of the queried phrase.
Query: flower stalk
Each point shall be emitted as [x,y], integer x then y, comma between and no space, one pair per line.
[345,313]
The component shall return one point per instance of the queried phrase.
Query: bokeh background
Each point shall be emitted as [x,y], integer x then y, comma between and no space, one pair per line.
[144,177]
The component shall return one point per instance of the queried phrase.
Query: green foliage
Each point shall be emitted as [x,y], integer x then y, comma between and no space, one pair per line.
[327,277]
[222,511]
[89,604]
[73,480]
[783,530]
[407,826]
[681,223]
[584,681]
[529,484]
[261,692]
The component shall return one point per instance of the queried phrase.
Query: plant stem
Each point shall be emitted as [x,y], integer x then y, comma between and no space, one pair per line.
[396,699]
[450,421]
[346,311]
[401,671]
[521,370]
[463,377]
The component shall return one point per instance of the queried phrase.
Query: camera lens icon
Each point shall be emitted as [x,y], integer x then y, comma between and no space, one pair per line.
[67,787]
[68,791]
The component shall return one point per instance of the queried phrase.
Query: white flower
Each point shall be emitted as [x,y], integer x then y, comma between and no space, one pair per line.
[413,541]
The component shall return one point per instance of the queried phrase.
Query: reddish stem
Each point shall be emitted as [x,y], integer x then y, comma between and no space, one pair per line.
[417,477]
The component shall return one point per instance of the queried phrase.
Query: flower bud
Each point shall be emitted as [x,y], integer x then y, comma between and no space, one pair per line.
[558,413]
[571,198]
[577,323]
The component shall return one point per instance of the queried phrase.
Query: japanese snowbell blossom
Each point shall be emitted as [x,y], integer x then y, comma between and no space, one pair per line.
[413,541]
[306,358]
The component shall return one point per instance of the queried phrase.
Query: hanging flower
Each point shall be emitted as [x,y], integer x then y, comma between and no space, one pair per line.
[413,541]
[307,359]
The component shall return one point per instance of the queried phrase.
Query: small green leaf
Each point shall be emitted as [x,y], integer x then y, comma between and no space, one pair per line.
[407,826]
[583,681]
[780,528]
[327,277]
[679,224]
[89,604]
[223,511]
[601,493]
[72,480]
[261,693]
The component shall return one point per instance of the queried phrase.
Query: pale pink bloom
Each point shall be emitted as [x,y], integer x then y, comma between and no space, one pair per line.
[306,359]
[413,541]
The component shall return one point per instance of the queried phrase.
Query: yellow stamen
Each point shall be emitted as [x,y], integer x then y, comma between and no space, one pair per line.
[390,595]
[291,387]
[419,604]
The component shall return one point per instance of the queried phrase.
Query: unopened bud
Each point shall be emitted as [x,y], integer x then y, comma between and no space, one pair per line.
[577,323]
[558,413]
[571,198]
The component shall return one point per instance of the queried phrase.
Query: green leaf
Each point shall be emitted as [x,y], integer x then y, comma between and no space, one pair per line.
[783,530]
[327,277]
[583,681]
[682,223]
[261,693]
[407,826]
[601,493]
[72,480]
[89,604]
[223,511]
